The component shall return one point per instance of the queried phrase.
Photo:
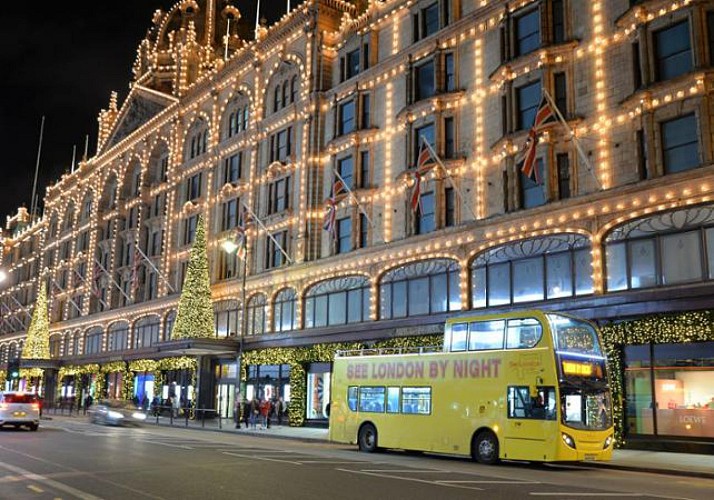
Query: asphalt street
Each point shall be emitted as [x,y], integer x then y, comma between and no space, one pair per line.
[76,459]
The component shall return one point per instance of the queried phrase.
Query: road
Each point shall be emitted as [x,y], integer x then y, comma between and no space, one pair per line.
[74,459]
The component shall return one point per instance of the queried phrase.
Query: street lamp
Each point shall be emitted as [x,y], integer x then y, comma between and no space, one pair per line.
[239,245]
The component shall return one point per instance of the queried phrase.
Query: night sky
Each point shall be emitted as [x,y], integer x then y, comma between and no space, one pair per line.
[63,60]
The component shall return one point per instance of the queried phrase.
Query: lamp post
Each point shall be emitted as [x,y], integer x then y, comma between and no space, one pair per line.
[232,247]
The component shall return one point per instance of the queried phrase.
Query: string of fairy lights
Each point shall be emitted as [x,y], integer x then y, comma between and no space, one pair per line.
[249,73]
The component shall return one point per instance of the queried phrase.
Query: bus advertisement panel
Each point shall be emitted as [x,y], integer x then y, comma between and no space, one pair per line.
[520,386]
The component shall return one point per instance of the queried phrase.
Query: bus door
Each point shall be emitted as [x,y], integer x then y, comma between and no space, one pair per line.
[531,429]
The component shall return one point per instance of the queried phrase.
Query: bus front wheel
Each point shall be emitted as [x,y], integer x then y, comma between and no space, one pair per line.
[484,448]
[367,438]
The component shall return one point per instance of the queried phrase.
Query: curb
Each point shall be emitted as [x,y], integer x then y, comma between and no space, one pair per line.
[646,469]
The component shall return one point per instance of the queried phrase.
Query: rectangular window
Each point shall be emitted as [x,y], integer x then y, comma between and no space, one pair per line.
[423,133]
[559,275]
[449,207]
[233,166]
[538,406]
[344,235]
[365,56]
[345,167]
[416,400]
[680,144]
[426,220]
[459,335]
[523,333]
[642,163]
[281,146]
[393,399]
[430,20]
[155,246]
[558,21]
[164,174]
[190,230]
[363,231]
[366,112]
[528,98]
[449,72]
[424,82]
[364,177]
[562,161]
[151,290]
[346,122]
[449,137]
[275,257]
[673,51]
[636,69]
[279,196]
[230,215]
[371,399]
[681,258]
[527,32]
[528,279]
[710,35]
[352,64]
[532,193]
[560,88]
[642,263]
[193,188]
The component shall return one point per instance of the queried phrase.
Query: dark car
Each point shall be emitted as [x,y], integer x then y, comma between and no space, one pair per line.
[112,412]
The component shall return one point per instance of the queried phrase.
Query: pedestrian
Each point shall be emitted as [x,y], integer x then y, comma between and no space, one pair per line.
[279,408]
[145,402]
[246,413]
[254,411]
[264,414]
[155,403]
[88,402]
[236,413]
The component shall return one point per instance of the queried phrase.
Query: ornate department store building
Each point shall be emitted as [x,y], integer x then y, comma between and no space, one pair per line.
[619,230]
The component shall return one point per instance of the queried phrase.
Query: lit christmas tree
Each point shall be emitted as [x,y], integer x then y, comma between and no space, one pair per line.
[37,344]
[194,318]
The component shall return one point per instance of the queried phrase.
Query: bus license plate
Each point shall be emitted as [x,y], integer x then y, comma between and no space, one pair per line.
[590,456]
[18,414]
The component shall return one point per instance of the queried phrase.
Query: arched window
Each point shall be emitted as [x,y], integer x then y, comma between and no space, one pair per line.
[169,325]
[666,249]
[159,165]
[286,92]
[425,287]
[3,353]
[86,208]
[227,314]
[293,88]
[67,345]
[146,332]
[93,341]
[109,195]
[69,217]
[236,117]
[53,226]
[545,268]
[76,343]
[256,315]
[284,311]
[276,99]
[118,337]
[337,302]
[13,352]
[246,117]
[55,347]
[196,140]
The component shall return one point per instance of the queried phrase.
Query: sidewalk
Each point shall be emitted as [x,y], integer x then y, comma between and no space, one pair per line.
[680,464]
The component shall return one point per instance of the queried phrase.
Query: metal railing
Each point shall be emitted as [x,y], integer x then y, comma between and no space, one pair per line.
[387,351]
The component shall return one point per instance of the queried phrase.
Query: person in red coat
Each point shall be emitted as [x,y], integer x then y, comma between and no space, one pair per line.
[264,413]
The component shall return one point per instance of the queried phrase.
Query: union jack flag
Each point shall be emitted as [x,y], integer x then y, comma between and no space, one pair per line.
[328,225]
[135,269]
[544,114]
[96,279]
[425,162]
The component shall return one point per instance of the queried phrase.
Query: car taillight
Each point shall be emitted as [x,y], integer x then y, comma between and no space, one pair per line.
[36,406]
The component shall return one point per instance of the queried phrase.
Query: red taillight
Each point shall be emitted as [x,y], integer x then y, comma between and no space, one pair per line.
[36,406]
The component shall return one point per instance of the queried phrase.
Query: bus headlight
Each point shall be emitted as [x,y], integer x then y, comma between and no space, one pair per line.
[567,439]
[608,442]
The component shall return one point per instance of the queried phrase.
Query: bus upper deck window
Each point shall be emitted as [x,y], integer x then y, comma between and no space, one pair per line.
[523,333]
[484,335]
[458,336]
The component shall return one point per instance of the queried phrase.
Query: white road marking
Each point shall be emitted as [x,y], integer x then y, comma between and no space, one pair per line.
[267,459]
[49,482]
[487,481]
[416,480]
[34,488]
[169,445]
[408,471]
[327,461]
[581,494]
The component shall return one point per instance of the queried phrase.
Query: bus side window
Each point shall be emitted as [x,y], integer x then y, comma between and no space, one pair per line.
[352,398]
[523,333]
[484,335]
[459,332]
[392,399]
[539,407]
[371,399]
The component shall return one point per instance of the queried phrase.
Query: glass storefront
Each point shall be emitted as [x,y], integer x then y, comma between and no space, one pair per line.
[318,391]
[669,390]
[268,382]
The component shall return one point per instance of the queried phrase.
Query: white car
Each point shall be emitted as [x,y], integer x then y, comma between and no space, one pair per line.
[20,409]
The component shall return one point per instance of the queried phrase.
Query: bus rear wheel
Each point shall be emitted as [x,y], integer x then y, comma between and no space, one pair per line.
[484,448]
[367,438]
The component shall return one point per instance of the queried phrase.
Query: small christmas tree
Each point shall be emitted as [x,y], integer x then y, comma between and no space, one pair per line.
[194,318]
[37,344]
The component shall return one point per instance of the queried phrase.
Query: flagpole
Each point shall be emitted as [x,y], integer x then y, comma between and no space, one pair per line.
[257,20]
[228,34]
[151,264]
[104,270]
[289,6]
[354,197]
[453,181]
[576,141]
[262,226]
[33,204]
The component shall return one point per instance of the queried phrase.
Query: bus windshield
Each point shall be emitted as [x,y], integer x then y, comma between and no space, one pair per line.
[573,336]
[588,410]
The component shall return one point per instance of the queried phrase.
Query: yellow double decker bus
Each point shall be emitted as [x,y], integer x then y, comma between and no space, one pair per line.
[520,386]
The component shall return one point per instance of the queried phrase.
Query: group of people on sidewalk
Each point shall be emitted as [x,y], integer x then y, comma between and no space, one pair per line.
[254,412]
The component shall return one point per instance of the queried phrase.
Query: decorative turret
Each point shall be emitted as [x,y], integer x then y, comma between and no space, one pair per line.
[107,118]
